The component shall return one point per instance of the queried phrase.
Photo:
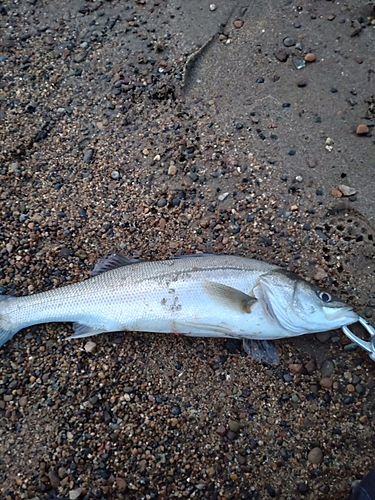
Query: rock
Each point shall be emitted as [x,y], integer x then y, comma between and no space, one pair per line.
[326,382]
[323,336]
[212,7]
[234,425]
[23,401]
[302,82]
[289,42]
[281,55]
[81,56]
[90,346]
[310,365]
[315,456]
[62,472]
[327,368]
[221,430]
[161,202]
[222,197]
[54,479]
[172,170]
[238,23]
[74,494]
[346,190]
[88,156]
[310,57]
[295,367]
[115,175]
[210,472]
[362,129]
[121,483]
[320,274]
[336,193]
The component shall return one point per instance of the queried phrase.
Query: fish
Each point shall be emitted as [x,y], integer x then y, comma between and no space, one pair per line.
[201,295]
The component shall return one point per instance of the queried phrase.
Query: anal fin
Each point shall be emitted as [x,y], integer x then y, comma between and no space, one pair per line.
[261,351]
[81,331]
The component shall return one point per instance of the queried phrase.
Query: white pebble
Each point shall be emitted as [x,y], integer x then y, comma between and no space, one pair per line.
[115,175]
[222,197]
[299,178]
[90,346]
[212,7]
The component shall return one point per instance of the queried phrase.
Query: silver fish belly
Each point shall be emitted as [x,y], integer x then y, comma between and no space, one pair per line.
[210,295]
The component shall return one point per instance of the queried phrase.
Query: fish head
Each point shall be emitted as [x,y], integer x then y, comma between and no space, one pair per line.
[300,307]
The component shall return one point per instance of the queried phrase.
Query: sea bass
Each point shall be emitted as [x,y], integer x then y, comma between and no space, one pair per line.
[197,295]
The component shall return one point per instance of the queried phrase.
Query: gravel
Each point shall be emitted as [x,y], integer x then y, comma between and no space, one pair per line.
[150,416]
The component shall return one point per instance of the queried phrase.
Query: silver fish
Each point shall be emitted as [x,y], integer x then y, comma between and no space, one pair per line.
[198,295]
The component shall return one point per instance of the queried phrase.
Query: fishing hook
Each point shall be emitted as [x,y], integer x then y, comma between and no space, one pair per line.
[368,346]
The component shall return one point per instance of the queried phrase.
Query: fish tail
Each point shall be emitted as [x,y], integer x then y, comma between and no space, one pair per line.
[7,327]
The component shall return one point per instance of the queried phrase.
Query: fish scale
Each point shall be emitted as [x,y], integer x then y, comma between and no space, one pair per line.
[209,295]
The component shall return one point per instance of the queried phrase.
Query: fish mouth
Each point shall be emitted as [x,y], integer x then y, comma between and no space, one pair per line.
[345,313]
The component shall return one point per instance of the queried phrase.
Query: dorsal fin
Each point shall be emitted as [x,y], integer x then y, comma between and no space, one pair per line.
[112,262]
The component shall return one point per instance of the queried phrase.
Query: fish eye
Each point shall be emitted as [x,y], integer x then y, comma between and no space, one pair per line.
[324,296]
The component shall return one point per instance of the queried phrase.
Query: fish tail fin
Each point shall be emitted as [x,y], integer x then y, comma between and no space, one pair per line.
[7,327]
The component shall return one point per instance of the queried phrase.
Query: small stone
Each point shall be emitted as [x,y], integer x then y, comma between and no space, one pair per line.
[326,382]
[210,472]
[362,129]
[281,55]
[320,274]
[120,483]
[295,367]
[302,83]
[221,430]
[222,197]
[350,388]
[88,156]
[310,57]
[62,472]
[238,23]
[312,163]
[323,336]
[289,42]
[315,456]
[162,202]
[54,479]
[212,7]
[234,425]
[23,401]
[310,365]
[346,190]
[81,56]
[331,17]
[336,193]
[172,170]
[74,494]
[115,175]
[299,178]
[327,368]
[90,346]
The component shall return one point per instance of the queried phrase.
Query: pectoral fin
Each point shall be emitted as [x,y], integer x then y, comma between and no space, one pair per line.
[229,297]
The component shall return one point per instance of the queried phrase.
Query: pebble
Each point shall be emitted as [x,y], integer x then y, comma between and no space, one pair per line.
[289,42]
[23,401]
[210,471]
[346,190]
[234,425]
[302,82]
[281,55]
[172,170]
[90,346]
[336,193]
[319,275]
[362,129]
[162,202]
[315,456]
[88,156]
[326,382]
[74,494]
[212,7]
[54,479]
[310,57]
[115,174]
[238,23]
[327,368]
[221,430]
[222,197]
[323,336]
[81,56]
